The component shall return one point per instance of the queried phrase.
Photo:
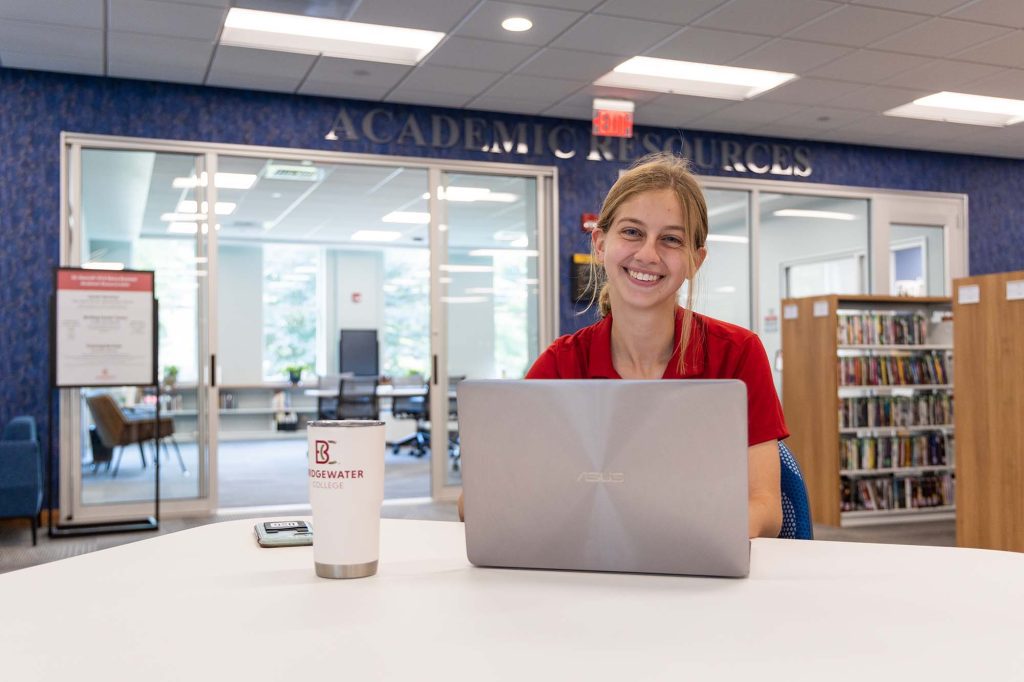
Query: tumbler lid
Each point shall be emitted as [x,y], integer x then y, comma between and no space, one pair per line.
[345,422]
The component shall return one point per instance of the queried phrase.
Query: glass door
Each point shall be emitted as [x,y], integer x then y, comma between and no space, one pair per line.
[142,210]
[487,270]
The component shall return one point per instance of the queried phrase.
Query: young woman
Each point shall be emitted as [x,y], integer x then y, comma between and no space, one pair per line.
[649,240]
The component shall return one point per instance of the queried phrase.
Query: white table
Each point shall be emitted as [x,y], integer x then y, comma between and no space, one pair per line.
[208,604]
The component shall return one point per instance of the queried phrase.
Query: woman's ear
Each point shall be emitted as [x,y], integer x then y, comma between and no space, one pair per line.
[597,239]
[698,259]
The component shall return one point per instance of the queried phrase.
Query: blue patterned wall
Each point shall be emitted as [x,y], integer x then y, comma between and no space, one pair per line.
[35,107]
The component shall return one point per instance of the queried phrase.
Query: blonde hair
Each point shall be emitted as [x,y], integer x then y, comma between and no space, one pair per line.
[654,172]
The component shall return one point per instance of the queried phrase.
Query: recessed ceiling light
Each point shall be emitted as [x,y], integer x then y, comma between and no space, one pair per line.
[101,265]
[220,180]
[470,194]
[803,213]
[327,37]
[407,217]
[517,24]
[221,208]
[375,236]
[957,107]
[692,78]
[728,238]
[531,253]
[182,228]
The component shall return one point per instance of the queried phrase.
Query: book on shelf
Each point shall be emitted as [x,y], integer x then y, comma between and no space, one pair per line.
[882,328]
[925,409]
[893,452]
[894,370]
[897,493]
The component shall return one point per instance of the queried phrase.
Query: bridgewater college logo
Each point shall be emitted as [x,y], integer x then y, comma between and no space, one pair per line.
[322,452]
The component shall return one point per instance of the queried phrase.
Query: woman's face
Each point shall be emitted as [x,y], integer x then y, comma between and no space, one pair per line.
[646,252]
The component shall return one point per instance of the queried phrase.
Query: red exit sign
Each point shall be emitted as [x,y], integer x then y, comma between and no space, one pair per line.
[613,118]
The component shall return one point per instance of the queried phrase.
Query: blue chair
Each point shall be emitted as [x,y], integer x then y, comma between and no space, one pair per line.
[21,472]
[796,509]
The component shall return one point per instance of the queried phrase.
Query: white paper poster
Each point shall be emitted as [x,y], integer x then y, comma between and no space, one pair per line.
[104,328]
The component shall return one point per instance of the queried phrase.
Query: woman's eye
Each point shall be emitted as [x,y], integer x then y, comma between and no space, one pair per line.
[630,232]
[673,241]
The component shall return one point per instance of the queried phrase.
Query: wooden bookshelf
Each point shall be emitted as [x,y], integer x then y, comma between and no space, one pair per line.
[892,459]
[990,412]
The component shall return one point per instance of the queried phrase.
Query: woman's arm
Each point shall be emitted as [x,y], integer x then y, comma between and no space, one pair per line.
[764,490]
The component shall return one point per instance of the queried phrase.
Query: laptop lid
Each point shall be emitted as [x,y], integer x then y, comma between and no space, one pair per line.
[606,475]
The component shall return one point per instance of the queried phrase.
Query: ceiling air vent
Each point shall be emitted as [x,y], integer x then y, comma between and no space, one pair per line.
[273,171]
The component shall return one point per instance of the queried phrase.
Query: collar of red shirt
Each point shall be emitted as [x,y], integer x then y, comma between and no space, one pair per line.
[600,362]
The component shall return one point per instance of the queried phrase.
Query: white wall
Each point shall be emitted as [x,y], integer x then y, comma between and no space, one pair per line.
[240,314]
[354,272]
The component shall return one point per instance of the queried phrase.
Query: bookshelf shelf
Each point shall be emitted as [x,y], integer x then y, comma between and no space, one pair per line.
[867,391]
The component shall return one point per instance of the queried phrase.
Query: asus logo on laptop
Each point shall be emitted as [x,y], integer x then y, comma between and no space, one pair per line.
[600,477]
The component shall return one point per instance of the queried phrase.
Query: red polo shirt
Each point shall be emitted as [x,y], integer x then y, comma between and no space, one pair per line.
[717,350]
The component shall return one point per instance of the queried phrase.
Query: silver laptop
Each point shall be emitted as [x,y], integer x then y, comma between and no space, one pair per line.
[606,475]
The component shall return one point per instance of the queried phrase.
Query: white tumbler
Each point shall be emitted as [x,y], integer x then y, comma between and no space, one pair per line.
[346,490]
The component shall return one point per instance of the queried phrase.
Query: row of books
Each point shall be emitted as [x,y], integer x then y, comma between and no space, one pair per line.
[887,452]
[909,492]
[894,370]
[884,329]
[892,411]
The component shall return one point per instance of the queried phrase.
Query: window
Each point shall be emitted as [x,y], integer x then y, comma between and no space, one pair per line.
[289,309]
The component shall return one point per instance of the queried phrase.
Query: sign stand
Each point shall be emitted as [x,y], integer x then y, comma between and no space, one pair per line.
[98,318]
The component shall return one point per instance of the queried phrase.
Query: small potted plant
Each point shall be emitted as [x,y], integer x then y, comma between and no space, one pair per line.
[294,373]
[170,375]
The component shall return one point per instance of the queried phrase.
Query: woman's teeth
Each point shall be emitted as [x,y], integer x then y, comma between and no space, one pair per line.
[643,276]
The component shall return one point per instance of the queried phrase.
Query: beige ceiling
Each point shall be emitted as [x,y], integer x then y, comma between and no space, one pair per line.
[855,59]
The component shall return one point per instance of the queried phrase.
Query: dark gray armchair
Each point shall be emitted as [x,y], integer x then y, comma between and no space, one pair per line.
[21,472]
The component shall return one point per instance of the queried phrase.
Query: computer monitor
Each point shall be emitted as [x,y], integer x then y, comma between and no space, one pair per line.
[358,352]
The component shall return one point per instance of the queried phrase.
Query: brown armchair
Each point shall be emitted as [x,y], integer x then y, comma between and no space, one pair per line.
[117,428]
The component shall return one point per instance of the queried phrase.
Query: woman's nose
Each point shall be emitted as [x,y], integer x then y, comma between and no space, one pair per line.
[648,252]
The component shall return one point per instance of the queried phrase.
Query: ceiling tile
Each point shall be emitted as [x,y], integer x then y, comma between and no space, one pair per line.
[348,90]
[998,12]
[706,46]
[91,65]
[431,16]
[569,109]
[1007,50]
[932,7]
[810,91]
[136,55]
[680,109]
[668,11]
[443,79]
[428,98]
[943,74]
[515,105]
[791,56]
[485,23]
[570,64]
[818,119]
[355,72]
[67,41]
[877,98]
[87,13]
[868,66]
[856,26]
[765,18]
[1005,83]
[166,18]
[551,90]
[940,37]
[470,53]
[614,35]
[752,112]
[575,5]
[638,96]
[240,67]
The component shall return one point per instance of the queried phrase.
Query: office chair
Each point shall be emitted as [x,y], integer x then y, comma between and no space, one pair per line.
[412,407]
[357,398]
[118,427]
[326,407]
[21,472]
[796,508]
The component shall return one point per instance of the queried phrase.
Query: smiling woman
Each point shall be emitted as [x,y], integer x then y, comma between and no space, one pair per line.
[650,239]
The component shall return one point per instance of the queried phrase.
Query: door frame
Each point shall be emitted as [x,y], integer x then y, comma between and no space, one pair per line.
[70,165]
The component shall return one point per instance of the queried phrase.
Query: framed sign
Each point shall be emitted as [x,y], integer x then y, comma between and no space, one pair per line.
[104,328]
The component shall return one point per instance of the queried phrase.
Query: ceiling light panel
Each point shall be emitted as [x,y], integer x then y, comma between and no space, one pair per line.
[956,107]
[327,37]
[805,213]
[692,78]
